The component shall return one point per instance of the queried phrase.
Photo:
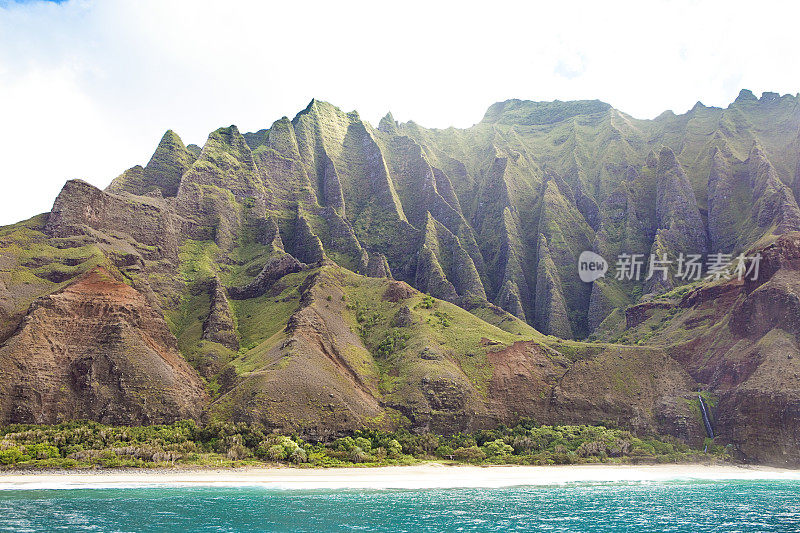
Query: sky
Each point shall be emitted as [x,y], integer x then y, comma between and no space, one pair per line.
[88,87]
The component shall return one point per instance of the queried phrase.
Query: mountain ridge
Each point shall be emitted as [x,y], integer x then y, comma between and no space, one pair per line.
[322,275]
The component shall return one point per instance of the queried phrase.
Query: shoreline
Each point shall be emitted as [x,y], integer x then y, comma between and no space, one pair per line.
[426,476]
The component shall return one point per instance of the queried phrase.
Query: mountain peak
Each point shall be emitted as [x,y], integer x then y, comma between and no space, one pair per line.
[163,172]
[745,95]
[317,106]
[170,135]
[530,113]
[388,124]
[769,96]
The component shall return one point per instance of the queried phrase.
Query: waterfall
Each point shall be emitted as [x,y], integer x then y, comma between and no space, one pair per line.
[706,421]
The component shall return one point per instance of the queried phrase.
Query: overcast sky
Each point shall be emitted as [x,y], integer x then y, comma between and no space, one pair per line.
[87,88]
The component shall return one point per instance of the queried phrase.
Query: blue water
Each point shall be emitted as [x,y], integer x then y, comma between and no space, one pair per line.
[663,506]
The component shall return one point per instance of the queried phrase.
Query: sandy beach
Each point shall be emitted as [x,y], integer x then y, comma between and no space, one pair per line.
[393,477]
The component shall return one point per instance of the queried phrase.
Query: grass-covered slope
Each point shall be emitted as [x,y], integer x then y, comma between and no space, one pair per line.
[372,352]
[354,351]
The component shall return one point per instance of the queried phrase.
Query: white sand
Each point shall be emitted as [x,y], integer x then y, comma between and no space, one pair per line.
[392,477]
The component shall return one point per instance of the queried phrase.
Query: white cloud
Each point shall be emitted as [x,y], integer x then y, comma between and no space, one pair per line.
[88,87]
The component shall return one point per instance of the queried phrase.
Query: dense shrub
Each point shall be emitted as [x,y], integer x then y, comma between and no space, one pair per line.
[11,456]
[497,448]
[445,452]
[220,443]
[394,449]
[357,455]
[237,452]
[473,454]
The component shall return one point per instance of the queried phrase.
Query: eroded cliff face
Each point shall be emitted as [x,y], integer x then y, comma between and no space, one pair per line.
[285,268]
[759,387]
[96,350]
[739,340]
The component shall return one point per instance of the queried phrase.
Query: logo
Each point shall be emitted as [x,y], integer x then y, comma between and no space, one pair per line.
[687,267]
[591,266]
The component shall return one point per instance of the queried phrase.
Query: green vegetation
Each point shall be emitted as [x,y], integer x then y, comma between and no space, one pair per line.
[395,340]
[198,260]
[412,351]
[262,317]
[90,444]
[426,303]
[42,261]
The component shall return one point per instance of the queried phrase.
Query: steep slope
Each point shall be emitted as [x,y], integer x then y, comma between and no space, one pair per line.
[96,350]
[357,352]
[746,200]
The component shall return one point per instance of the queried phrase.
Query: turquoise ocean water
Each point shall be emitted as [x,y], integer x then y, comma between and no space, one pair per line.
[690,506]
